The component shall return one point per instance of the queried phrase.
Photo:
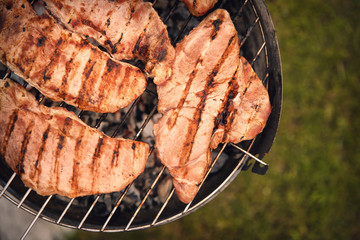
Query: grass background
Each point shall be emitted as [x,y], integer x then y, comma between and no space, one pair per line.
[311,190]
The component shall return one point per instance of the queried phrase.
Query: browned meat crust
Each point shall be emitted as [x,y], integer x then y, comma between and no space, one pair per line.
[213,96]
[127,29]
[54,152]
[61,64]
[199,7]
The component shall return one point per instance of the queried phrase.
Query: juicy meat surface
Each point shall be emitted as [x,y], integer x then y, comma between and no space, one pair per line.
[214,96]
[205,65]
[199,7]
[54,152]
[127,29]
[62,65]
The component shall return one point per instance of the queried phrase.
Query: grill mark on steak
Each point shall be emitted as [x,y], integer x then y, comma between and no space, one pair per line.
[86,84]
[60,146]
[75,174]
[64,83]
[107,24]
[132,10]
[172,121]
[138,41]
[49,69]
[20,166]
[134,157]
[112,46]
[95,160]
[233,111]
[25,57]
[220,119]
[37,167]
[9,129]
[105,85]
[216,23]
[115,156]
[127,72]
[192,130]
[41,41]
[88,69]
[88,23]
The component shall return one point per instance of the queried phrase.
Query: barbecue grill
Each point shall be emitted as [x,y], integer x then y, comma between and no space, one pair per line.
[151,200]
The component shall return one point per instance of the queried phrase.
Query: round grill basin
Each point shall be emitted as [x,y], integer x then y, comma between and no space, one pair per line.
[150,200]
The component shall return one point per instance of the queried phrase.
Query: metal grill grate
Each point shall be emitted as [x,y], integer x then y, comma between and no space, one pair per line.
[258,45]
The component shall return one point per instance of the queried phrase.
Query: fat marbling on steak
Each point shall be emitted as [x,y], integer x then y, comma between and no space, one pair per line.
[62,65]
[213,96]
[127,29]
[54,152]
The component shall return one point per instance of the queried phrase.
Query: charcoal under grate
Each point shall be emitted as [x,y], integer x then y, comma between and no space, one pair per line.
[151,200]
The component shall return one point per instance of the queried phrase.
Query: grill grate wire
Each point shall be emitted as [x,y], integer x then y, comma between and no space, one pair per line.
[189,207]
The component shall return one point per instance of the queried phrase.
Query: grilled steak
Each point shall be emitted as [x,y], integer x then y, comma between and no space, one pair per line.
[246,113]
[199,7]
[213,96]
[205,65]
[61,64]
[54,152]
[127,29]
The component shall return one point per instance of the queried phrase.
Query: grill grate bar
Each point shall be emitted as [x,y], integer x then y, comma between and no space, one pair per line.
[249,32]
[24,197]
[171,12]
[239,11]
[36,218]
[6,74]
[119,201]
[163,207]
[222,3]
[42,98]
[249,154]
[65,210]
[151,92]
[7,184]
[81,113]
[262,34]
[144,199]
[239,167]
[182,29]
[89,211]
[257,54]
[173,190]
[115,208]
[100,120]
[145,122]
[116,132]
[266,79]
[207,174]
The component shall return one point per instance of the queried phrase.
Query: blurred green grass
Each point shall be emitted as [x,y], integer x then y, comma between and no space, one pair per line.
[311,190]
